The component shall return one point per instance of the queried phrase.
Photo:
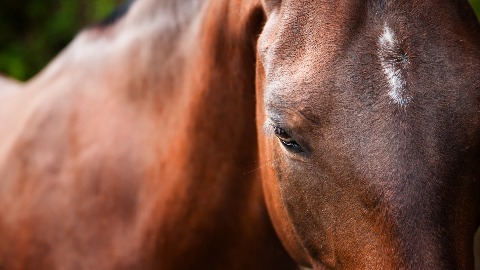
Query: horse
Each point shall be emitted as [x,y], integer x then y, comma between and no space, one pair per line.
[8,85]
[373,110]
[249,134]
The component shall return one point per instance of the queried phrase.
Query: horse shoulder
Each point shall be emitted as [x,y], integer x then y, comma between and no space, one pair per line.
[74,164]
[8,85]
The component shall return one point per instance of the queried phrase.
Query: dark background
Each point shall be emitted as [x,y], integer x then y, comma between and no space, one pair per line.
[32,33]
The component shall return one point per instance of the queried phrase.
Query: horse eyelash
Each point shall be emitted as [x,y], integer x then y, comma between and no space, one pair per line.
[269,127]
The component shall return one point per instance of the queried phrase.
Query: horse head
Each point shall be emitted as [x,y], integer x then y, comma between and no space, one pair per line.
[155,139]
[370,112]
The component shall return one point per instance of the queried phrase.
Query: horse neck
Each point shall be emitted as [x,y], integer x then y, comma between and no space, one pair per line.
[198,76]
[185,73]
[187,66]
[216,144]
[207,95]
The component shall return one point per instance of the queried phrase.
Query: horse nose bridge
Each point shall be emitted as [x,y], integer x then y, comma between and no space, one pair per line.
[422,144]
[409,187]
[416,206]
[411,224]
[423,242]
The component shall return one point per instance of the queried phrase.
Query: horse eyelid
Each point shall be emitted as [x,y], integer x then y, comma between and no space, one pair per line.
[293,146]
[270,125]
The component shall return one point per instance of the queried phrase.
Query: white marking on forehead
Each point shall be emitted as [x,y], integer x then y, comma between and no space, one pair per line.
[391,59]
[387,36]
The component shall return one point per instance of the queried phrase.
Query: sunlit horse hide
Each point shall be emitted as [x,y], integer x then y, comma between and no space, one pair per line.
[136,148]
[154,140]
[8,85]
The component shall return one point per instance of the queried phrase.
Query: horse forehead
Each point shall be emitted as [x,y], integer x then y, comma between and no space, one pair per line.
[298,47]
[295,47]
[298,30]
[300,25]
[303,40]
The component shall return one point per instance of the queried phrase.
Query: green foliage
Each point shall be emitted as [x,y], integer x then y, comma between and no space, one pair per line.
[33,32]
[476,6]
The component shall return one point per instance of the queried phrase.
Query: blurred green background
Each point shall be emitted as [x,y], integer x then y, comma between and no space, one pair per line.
[34,31]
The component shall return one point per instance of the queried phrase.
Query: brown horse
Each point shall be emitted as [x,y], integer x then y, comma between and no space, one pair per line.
[145,144]
[8,85]
[135,148]
[375,106]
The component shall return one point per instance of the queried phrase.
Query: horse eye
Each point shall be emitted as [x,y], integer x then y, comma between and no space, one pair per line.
[287,141]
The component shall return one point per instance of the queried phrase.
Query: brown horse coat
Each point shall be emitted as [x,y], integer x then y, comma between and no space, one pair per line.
[8,85]
[142,145]
[134,149]
[372,111]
